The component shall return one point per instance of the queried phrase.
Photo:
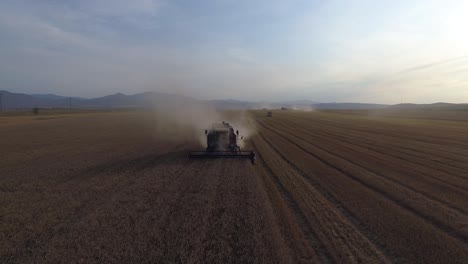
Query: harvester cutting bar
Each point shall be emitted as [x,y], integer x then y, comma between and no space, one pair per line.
[222,154]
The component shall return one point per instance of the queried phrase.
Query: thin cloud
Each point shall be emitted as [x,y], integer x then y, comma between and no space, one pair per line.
[247,50]
[433,64]
[119,7]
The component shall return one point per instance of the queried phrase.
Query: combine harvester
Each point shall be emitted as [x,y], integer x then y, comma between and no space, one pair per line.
[222,143]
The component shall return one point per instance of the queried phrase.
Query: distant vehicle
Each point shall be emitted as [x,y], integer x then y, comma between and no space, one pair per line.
[221,141]
[269,114]
[284,108]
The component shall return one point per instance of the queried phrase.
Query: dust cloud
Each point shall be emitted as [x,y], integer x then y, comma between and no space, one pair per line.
[303,108]
[184,121]
[242,121]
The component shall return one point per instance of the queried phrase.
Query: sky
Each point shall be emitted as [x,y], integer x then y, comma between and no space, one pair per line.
[266,50]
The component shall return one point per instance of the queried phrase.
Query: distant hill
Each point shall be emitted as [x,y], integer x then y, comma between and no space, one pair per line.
[48,96]
[439,105]
[21,101]
[145,100]
[11,101]
[349,106]
[55,97]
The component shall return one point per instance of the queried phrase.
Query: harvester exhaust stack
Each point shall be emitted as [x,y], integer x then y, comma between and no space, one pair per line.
[222,143]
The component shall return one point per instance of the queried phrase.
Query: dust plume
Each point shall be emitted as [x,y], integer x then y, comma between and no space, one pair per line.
[303,108]
[181,120]
[184,121]
[242,121]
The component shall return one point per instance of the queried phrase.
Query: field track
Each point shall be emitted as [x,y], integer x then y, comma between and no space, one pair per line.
[327,188]
[363,167]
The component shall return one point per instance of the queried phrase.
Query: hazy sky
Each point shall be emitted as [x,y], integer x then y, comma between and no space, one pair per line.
[359,51]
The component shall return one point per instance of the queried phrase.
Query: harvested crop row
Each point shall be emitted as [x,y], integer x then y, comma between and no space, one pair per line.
[403,128]
[452,155]
[405,234]
[439,214]
[398,171]
[429,151]
[375,142]
[341,241]
[292,232]
[455,151]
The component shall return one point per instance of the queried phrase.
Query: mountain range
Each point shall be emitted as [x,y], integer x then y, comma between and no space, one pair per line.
[17,101]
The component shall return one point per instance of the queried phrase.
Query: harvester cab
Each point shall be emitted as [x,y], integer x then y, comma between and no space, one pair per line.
[222,142]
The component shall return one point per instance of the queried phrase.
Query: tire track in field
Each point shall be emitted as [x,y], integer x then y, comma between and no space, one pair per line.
[400,148]
[458,209]
[409,134]
[436,223]
[459,153]
[450,230]
[401,132]
[403,233]
[308,231]
[340,237]
[422,161]
[338,205]
[390,132]
[443,184]
[289,228]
